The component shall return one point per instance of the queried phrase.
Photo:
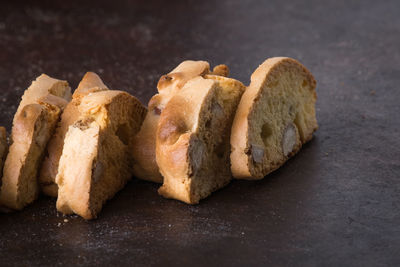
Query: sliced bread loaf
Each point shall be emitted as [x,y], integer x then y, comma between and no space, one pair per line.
[96,160]
[145,166]
[90,83]
[33,125]
[193,138]
[275,117]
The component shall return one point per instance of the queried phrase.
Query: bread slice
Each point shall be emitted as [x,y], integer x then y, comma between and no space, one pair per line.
[193,147]
[44,85]
[90,83]
[33,125]
[96,160]
[275,117]
[3,149]
[145,165]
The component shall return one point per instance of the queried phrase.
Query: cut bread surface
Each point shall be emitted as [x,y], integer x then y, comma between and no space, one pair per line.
[90,83]
[275,117]
[33,125]
[145,166]
[96,160]
[193,138]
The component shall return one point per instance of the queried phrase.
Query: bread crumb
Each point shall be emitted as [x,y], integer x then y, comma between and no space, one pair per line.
[372,92]
[65,220]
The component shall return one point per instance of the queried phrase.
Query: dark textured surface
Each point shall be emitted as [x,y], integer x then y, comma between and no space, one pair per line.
[336,203]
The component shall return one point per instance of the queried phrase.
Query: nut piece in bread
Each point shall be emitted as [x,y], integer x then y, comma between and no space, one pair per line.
[145,165]
[96,160]
[33,125]
[193,138]
[90,83]
[275,117]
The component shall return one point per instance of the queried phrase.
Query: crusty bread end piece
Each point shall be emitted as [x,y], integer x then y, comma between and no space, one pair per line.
[275,117]
[96,160]
[90,83]
[193,138]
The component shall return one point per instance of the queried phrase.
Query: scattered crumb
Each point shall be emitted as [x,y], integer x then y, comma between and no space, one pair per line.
[59,224]
[65,220]
[169,225]
[242,233]
[372,92]
[326,154]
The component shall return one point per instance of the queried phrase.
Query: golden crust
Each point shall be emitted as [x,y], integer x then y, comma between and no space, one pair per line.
[178,125]
[43,86]
[31,130]
[90,83]
[145,166]
[192,148]
[267,72]
[33,125]
[95,162]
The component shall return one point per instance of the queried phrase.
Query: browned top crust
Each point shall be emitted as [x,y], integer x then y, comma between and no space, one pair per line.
[90,83]
[145,166]
[33,125]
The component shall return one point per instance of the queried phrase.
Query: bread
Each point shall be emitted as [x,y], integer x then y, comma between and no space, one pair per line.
[145,166]
[3,149]
[275,117]
[33,125]
[44,85]
[90,83]
[96,160]
[193,147]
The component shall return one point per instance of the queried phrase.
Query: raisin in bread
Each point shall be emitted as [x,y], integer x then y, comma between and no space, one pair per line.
[145,165]
[275,117]
[96,160]
[193,138]
[90,83]
[33,125]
